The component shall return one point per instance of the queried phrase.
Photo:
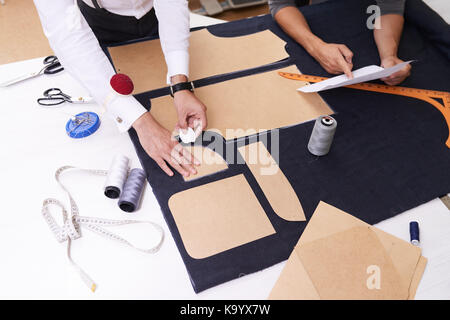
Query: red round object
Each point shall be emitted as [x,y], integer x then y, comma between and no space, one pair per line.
[122,84]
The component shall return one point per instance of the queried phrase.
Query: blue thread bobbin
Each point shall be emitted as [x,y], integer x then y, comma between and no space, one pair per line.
[82,125]
[414,232]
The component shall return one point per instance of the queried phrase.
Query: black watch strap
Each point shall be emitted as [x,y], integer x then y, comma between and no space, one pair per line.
[181,86]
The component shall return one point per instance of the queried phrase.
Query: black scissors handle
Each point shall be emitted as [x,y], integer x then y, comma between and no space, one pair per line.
[53,97]
[53,65]
[51,101]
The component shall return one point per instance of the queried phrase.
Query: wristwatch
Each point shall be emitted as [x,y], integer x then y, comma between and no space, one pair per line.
[181,86]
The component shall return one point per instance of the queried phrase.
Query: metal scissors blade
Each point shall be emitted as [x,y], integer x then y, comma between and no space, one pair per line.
[51,66]
[19,79]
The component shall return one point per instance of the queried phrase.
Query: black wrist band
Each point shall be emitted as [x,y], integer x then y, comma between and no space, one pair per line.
[181,86]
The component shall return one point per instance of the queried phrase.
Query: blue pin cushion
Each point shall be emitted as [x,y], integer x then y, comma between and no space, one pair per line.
[82,125]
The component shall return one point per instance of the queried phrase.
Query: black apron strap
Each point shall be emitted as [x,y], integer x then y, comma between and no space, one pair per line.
[96,5]
[111,28]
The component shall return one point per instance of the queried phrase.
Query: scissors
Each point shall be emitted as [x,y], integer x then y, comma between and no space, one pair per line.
[51,66]
[54,96]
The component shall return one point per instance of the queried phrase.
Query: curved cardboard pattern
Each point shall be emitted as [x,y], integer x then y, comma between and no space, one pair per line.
[210,162]
[273,182]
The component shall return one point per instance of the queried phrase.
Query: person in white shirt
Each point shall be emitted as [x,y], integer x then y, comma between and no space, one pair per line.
[77,31]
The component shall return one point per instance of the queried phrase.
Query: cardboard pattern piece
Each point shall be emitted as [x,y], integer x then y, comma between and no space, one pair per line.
[218,216]
[254,103]
[210,162]
[296,283]
[209,55]
[272,181]
[18,42]
[323,260]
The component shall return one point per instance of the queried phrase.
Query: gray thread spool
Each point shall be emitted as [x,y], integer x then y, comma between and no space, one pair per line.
[117,175]
[322,135]
[132,190]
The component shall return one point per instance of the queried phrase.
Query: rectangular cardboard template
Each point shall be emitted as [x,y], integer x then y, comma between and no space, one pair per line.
[218,216]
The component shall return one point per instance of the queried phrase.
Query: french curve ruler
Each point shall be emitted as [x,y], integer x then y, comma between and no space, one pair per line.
[422,94]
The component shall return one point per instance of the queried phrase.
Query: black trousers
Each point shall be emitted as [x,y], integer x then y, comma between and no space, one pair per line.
[110,28]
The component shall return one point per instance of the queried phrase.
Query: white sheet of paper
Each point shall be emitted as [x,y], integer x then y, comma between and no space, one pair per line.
[361,75]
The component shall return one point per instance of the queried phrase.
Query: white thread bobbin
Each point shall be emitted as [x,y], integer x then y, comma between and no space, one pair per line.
[322,135]
[117,175]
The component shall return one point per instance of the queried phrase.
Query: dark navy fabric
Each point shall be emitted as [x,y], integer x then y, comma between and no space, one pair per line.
[388,155]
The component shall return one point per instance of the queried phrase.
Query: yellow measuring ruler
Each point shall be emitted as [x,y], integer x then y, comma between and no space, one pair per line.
[422,94]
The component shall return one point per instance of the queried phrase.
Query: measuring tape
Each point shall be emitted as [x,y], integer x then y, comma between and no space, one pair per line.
[422,94]
[72,223]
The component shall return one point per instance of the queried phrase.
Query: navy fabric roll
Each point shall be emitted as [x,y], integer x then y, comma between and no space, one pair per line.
[388,156]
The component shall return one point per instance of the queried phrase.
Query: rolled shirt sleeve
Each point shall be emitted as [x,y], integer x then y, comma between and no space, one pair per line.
[277,5]
[391,6]
[173,21]
[81,55]
[386,6]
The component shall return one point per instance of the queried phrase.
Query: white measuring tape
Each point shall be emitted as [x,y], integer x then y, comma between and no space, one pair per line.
[71,228]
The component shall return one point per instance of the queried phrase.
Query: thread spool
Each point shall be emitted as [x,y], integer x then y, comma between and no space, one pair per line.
[132,190]
[117,175]
[414,233]
[322,135]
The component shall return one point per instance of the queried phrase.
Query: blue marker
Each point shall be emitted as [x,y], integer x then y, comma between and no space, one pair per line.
[414,233]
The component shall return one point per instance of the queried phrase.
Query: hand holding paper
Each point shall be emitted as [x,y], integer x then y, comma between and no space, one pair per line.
[361,75]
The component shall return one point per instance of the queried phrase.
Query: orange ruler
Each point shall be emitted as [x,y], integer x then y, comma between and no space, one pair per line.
[425,95]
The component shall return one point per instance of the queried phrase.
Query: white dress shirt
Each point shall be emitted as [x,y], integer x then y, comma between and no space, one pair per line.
[81,55]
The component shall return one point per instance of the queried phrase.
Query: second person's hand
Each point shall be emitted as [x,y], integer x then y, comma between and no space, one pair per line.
[400,75]
[334,58]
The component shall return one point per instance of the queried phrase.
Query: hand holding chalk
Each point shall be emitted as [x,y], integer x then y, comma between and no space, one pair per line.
[189,135]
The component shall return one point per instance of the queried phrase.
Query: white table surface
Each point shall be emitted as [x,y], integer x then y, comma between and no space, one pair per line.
[33,265]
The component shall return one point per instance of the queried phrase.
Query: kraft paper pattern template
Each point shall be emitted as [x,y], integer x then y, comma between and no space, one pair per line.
[332,257]
[209,55]
[219,216]
[255,103]
[272,181]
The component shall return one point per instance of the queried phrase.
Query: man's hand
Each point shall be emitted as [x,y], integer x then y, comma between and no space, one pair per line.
[191,112]
[162,147]
[400,75]
[334,58]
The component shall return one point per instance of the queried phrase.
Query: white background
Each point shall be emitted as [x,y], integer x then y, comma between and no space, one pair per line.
[34,265]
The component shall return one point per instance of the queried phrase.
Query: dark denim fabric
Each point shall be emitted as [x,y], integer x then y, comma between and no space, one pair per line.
[388,156]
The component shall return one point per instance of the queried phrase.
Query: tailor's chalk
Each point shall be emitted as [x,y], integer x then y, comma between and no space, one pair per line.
[414,232]
[188,136]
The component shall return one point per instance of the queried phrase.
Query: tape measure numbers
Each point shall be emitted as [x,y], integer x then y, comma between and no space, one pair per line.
[422,94]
